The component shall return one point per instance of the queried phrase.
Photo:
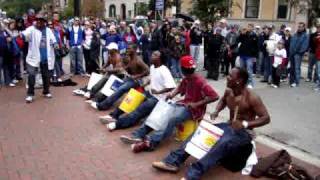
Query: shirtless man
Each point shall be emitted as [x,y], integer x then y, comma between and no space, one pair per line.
[251,114]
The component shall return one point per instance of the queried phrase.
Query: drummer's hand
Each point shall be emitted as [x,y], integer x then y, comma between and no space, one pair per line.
[214,116]
[236,125]
[169,96]
[191,105]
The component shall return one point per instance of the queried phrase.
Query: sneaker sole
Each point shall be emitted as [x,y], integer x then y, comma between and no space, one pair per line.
[127,140]
[165,169]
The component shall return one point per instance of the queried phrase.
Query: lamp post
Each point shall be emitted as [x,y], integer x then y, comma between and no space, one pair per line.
[76,8]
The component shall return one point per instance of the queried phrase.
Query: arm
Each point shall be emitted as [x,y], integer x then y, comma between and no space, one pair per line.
[261,111]
[221,105]
[145,71]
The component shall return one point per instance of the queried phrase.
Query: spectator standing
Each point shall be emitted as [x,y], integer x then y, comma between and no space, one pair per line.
[248,51]
[312,60]
[280,55]
[76,38]
[316,40]
[145,45]
[206,36]
[40,55]
[232,48]
[298,46]
[196,41]
[88,34]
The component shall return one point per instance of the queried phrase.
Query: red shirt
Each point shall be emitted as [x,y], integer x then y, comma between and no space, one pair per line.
[194,89]
[317,45]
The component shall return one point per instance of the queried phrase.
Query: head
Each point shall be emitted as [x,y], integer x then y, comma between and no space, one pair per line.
[301,27]
[12,25]
[87,25]
[270,29]
[112,30]
[257,29]
[287,31]
[218,31]
[280,45]
[233,28]
[76,21]
[188,65]
[40,22]
[223,23]
[209,27]
[123,25]
[177,39]
[56,16]
[318,27]
[131,50]
[237,78]
[146,30]
[250,27]
[157,59]
[50,24]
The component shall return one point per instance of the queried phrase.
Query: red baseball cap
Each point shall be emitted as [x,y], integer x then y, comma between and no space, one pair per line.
[187,62]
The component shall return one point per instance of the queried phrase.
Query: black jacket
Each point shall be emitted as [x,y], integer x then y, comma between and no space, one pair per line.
[249,44]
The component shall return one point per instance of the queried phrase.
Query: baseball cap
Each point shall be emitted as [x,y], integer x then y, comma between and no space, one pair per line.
[112,46]
[187,62]
[288,29]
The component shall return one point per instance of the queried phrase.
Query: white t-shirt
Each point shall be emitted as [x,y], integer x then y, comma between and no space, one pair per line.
[279,55]
[160,78]
[75,29]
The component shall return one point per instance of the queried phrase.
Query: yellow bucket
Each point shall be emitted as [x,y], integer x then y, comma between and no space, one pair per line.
[132,100]
[185,130]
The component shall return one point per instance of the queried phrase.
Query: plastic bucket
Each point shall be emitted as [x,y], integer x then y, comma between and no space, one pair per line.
[206,136]
[185,130]
[132,100]
[94,79]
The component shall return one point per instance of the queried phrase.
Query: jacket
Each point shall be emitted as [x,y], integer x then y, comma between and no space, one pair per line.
[249,44]
[299,43]
[80,37]
[33,36]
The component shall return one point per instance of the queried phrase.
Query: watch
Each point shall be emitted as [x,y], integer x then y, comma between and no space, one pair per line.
[245,124]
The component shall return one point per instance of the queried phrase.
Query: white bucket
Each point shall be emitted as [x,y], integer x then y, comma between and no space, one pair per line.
[160,115]
[111,85]
[94,79]
[205,137]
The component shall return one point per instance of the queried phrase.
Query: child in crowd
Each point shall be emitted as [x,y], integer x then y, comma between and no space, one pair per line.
[280,55]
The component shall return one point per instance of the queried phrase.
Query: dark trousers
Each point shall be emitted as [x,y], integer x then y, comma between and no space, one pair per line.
[230,61]
[86,55]
[32,72]
[213,68]
[276,71]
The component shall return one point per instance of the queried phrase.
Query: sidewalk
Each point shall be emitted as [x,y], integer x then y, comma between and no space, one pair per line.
[61,138]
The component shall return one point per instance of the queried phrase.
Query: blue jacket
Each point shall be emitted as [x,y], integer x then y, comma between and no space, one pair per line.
[3,43]
[80,37]
[299,43]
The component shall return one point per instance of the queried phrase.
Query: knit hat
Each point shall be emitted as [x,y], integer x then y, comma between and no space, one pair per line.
[187,62]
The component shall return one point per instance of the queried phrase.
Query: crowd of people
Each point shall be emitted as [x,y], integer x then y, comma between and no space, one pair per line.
[162,62]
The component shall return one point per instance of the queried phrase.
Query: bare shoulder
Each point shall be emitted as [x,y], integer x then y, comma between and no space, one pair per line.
[253,97]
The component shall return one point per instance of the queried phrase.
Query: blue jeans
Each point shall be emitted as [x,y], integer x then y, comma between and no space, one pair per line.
[247,63]
[267,68]
[76,60]
[312,63]
[260,61]
[125,87]
[295,68]
[176,68]
[181,114]
[195,52]
[229,142]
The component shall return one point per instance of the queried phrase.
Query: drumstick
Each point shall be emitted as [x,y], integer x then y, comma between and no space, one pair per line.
[236,114]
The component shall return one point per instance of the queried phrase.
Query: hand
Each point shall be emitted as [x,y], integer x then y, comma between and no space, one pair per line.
[236,125]
[169,96]
[214,116]
[191,105]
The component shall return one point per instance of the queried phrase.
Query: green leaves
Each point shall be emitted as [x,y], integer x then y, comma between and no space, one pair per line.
[210,10]
[18,7]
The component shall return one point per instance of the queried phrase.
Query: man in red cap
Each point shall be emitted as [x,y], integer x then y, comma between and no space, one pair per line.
[197,94]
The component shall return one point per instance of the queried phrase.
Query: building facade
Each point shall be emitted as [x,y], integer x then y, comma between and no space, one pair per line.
[121,9]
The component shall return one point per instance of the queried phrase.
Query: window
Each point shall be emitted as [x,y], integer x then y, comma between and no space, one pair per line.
[282,9]
[252,8]
[112,10]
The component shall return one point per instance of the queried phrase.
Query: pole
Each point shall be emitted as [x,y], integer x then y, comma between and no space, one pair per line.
[76,8]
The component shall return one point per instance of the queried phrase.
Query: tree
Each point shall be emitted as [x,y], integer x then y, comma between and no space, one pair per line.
[309,7]
[16,8]
[94,8]
[69,10]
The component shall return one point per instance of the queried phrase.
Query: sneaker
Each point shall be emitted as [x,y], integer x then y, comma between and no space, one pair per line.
[111,126]
[87,95]
[308,80]
[15,81]
[140,146]
[293,85]
[274,86]
[164,166]
[106,119]
[59,80]
[29,99]
[12,85]
[94,105]
[78,92]
[249,86]
[129,140]
[89,101]
[48,95]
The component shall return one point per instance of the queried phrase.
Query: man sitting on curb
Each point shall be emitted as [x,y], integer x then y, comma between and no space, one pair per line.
[250,113]
[161,82]
[197,94]
[136,70]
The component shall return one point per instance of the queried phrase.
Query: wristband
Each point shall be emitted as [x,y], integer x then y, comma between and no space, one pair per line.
[245,124]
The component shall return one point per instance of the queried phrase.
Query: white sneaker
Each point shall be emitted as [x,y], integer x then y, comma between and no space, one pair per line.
[94,105]
[78,92]
[293,85]
[87,95]
[59,80]
[250,86]
[111,126]
[274,86]
[89,101]
[29,99]
[308,80]
[12,85]
[15,81]
[48,95]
